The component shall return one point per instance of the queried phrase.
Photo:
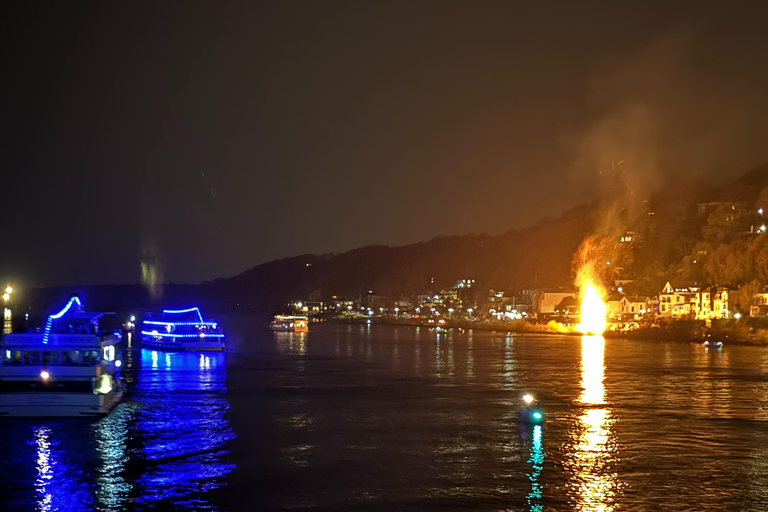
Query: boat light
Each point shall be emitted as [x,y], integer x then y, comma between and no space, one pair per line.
[537,415]
[528,399]
[44,375]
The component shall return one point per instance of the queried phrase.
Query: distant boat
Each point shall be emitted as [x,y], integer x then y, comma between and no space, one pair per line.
[290,323]
[71,368]
[182,330]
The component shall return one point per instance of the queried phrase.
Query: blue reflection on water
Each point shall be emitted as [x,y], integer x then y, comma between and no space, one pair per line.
[164,446]
[58,484]
[536,461]
[183,424]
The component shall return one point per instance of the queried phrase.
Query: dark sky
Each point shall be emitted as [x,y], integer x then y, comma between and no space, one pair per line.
[203,138]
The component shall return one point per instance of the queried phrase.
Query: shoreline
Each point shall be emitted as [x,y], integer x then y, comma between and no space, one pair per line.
[668,332]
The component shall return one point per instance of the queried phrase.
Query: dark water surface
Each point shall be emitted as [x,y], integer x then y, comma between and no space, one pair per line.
[396,418]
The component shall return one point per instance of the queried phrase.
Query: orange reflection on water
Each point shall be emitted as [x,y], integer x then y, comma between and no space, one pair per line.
[595,482]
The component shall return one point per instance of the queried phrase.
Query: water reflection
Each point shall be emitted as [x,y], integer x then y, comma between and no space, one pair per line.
[292,342]
[111,436]
[184,426]
[595,482]
[56,479]
[536,460]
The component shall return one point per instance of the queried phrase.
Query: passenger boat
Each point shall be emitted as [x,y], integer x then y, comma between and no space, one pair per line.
[69,369]
[182,330]
[290,323]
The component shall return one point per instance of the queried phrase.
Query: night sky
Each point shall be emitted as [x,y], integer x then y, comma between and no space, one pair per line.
[204,138]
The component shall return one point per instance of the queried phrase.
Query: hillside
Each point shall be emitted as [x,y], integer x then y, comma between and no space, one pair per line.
[538,256]
[669,228]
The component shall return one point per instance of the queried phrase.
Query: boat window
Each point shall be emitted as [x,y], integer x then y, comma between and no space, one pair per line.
[50,357]
[14,358]
[70,358]
[109,353]
[30,358]
[90,358]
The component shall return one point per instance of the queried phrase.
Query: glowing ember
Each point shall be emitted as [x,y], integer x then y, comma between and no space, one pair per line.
[593,309]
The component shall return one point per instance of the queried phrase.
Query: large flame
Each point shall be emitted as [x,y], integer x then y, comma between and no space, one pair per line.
[593,308]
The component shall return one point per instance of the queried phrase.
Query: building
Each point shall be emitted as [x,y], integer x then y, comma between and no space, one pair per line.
[712,303]
[627,307]
[689,302]
[760,304]
[545,302]
[678,303]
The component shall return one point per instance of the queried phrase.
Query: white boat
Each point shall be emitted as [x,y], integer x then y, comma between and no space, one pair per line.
[182,330]
[68,369]
[290,323]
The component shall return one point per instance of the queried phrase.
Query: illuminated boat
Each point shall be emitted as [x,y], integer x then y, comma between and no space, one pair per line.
[290,323]
[69,369]
[182,330]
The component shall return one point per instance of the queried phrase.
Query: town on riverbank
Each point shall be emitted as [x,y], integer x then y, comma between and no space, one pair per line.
[682,312]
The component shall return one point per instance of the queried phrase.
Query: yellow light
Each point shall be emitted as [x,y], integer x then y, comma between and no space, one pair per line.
[105,385]
[8,290]
[593,309]
[6,296]
[528,399]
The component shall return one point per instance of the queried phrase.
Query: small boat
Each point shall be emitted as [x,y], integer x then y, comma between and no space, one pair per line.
[182,330]
[530,413]
[290,323]
[71,368]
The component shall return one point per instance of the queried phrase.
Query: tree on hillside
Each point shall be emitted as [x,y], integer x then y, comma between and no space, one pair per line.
[725,222]
[744,298]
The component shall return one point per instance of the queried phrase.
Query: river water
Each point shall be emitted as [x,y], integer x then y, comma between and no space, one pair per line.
[403,418]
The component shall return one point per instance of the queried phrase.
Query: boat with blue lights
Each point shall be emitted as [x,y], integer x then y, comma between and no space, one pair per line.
[182,330]
[70,368]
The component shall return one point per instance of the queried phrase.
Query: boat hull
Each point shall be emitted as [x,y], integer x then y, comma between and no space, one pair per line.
[57,405]
[189,346]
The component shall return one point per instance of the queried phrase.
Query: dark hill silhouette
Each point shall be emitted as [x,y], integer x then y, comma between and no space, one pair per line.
[535,257]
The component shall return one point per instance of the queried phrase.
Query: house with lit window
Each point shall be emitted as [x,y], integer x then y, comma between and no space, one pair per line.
[712,303]
[760,304]
[678,302]
[626,307]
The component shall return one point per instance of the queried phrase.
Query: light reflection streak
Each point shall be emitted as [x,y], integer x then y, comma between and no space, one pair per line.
[44,468]
[536,461]
[470,356]
[183,439]
[595,482]
[111,434]
[58,484]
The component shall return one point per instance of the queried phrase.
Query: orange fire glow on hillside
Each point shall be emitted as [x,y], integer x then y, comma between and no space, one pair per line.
[593,310]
